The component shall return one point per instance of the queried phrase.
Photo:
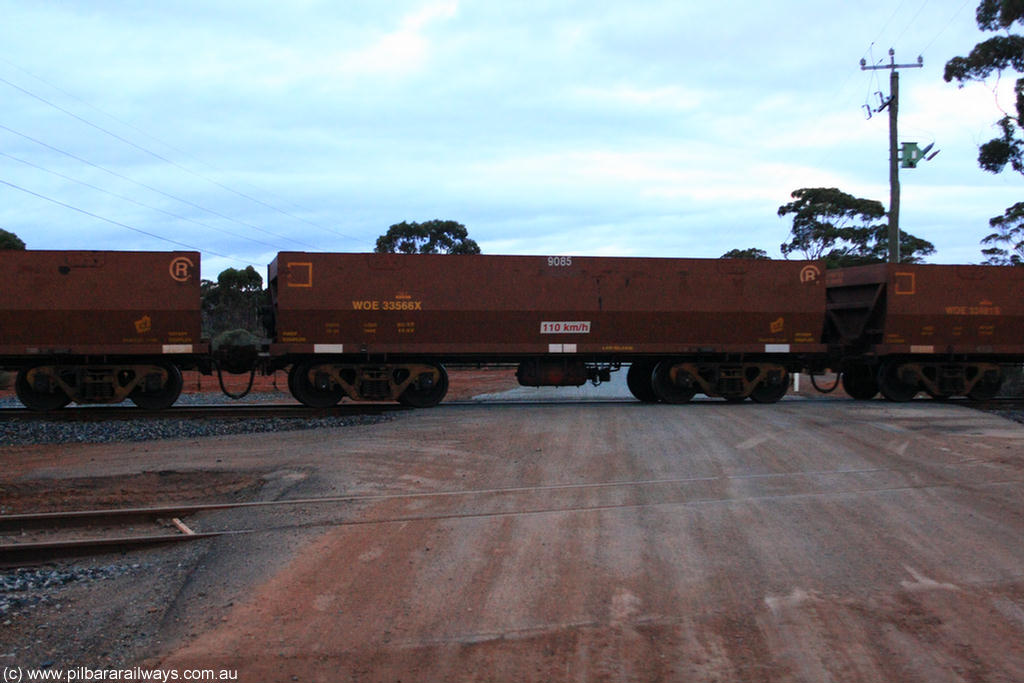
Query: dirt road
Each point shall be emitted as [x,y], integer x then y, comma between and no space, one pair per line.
[804,541]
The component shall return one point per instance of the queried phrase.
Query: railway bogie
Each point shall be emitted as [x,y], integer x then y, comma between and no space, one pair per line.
[902,379]
[322,383]
[678,381]
[154,385]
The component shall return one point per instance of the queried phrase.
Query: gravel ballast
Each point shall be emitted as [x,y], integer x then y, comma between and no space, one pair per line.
[47,430]
[22,589]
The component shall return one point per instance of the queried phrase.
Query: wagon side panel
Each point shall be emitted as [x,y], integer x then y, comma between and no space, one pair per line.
[514,305]
[93,302]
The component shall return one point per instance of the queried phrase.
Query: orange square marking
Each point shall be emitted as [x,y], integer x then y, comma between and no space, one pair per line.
[300,274]
[904,283]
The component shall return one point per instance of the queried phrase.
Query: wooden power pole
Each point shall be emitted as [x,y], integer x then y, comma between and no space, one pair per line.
[894,148]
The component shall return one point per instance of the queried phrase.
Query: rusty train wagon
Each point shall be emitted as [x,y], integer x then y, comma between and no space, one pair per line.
[99,326]
[941,329]
[382,326]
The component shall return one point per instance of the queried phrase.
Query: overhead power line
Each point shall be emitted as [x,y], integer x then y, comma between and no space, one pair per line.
[136,202]
[910,23]
[160,157]
[948,24]
[888,21]
[153,189]
[113,222]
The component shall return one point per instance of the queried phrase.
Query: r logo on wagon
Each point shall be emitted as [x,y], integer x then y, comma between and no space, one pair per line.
[810,274]
[181,269]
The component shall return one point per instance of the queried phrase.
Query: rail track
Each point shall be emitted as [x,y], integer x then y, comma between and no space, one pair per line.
[37,538]
[52,535]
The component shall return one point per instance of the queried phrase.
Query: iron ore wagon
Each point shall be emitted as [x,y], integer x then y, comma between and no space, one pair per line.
[943,329]
[382,326]
[99,326]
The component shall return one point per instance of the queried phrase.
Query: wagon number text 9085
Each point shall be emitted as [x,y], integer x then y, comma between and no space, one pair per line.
[559,261]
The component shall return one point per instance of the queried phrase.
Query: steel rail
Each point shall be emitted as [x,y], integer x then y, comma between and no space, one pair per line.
[24,554]
[32,553]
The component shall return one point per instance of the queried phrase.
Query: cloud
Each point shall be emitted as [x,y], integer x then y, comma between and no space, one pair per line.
[667,98]
[650,128]
[403,51]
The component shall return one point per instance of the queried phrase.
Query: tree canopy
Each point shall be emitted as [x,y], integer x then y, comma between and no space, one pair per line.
[825,219]
[842,229]
[1008,239]
[992,57]
[247,280]
[751,253]
[431,237]
[8,240]
[232,302]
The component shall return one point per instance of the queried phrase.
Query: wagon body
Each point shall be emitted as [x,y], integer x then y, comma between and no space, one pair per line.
[891,309]
[947,330]
[93,303]
[508,307]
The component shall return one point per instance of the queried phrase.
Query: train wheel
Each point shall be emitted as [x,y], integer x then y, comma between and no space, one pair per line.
[291,382]
[680,391]
[860,383]
[891,386]
[315,393]
[417,396]
[165,396]
[38,400]
[638,379]
[426,395]
[770,393]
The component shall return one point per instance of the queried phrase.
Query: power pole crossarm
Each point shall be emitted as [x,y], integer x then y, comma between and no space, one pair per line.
[893,104]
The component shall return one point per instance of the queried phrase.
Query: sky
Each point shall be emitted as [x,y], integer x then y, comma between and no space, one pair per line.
[678,129]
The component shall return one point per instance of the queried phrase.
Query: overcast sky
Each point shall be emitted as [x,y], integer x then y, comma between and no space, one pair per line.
[590,128]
